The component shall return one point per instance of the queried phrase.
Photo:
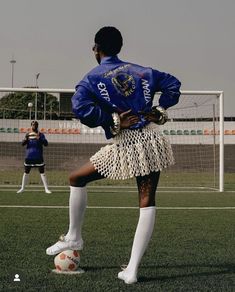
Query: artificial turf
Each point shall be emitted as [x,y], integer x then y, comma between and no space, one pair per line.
[191,249]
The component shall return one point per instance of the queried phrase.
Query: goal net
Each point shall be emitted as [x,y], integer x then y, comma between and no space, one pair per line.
[195,130]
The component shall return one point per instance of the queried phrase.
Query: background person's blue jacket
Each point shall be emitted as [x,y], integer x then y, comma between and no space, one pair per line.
[34,148]
[117,86]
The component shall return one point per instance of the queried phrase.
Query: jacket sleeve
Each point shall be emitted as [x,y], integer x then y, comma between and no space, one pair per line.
[169,86]
[25,141]
[87,109]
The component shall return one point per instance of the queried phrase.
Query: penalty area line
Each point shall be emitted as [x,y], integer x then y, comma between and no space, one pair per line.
[109,207]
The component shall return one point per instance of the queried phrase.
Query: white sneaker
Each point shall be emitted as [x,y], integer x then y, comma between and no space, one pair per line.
[127,278]
[48,191]
[64,244]
[20,191]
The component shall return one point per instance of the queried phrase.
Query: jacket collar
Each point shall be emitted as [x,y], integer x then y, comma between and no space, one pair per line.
[110,60]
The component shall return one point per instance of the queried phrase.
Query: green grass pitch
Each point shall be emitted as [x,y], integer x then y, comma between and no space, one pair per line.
[191,249]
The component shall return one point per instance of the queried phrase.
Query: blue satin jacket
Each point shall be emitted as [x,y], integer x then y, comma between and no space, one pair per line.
[117,86]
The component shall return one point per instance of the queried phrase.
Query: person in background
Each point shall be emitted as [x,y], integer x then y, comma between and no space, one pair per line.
[118,96]
[34,142]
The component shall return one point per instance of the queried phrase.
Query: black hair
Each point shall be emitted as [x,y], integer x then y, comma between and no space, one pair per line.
[109,40]
[34,122]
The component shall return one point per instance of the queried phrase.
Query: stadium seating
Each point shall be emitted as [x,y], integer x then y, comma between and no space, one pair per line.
[179,132]
[10,130]
[65,131]
[165,132]
[214,132]
[16,130]
[78,131]
[199,132]
[2,130]
[75,131]
[186,132]
[51,131]
[58,131]
[227,132]
[98,131]
[193,132]
[206,132]
[23,130]
[43,130]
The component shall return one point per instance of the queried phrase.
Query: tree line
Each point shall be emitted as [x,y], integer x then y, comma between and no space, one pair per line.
[14,105]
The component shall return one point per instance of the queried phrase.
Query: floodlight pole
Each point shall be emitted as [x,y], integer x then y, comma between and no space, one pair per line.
[44,107]
[13,61]
[36,96]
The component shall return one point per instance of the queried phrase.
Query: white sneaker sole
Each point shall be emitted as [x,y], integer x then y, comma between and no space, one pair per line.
[126,278]
[78,271]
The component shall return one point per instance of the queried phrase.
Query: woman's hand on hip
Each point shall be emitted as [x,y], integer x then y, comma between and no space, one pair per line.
[127,119]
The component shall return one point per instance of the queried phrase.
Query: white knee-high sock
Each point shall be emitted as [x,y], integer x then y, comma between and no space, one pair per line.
[142,237]
[44,181]
[25,179]
[77,208]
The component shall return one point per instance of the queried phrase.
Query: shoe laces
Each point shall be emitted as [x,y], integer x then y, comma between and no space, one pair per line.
[123,267]
[62,237]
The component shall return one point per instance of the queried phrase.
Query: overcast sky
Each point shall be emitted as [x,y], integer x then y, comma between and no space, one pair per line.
[192,39]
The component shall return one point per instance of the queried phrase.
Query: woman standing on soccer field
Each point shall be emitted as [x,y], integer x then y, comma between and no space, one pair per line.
[118,96]
[34,142]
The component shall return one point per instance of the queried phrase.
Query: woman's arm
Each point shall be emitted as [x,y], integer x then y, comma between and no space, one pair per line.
[169,86]
[88,111]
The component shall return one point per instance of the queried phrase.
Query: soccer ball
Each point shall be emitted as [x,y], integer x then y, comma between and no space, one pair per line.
[67,260]
[32,135]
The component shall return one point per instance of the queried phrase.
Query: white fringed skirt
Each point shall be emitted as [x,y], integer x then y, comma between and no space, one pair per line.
[134,153]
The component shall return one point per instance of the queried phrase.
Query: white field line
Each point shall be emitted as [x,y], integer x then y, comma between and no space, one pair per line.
[117,190]
[39,187]
[108,207]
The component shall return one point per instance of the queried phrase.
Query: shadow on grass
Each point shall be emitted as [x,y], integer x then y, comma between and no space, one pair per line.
[176,271]
[184,271]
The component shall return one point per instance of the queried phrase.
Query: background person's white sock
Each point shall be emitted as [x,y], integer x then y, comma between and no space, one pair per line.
[77,208]
[25,179]
[142,237]
[44,181]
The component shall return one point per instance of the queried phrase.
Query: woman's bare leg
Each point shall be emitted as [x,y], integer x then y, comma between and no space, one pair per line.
[84,175]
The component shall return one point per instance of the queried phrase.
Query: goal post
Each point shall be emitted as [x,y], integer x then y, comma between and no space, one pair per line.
[195,129]
[197,122]
[219,96]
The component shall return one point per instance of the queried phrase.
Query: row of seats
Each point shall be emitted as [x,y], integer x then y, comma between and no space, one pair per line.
[49,131]
[183,132]
[53,131]
[78,131]
[61,131]
[197,132]
[9,130]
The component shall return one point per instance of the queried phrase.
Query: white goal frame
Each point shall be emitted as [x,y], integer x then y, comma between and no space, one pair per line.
[218,94]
